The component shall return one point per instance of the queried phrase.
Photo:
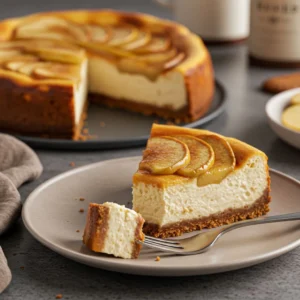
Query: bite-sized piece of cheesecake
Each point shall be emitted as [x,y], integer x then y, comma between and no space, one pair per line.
[217,181]
[113,229]
[136,62]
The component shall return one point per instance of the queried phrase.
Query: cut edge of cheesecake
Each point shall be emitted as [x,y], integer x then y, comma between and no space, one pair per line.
[113,229]
[44,98]
[172,205]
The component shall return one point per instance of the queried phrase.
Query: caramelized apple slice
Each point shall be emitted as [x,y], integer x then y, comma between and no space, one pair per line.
[224,160]
[291,117]
[57,71]
[61,55]
[28,67]
[156,45]
[122,35]
[202,156]
[174,61]
[98,33]
[7,53]
[141,40]
[296,99]
[51,28]
[16,62]
[162,57]
[164,156]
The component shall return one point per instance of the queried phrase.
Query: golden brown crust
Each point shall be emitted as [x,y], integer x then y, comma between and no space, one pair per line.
[139,236]
[259,208]
[96,227]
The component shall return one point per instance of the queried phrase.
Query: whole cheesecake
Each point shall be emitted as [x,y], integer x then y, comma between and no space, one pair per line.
[190,179]
[51,61]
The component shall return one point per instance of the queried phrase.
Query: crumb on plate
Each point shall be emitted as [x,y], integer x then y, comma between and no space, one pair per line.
[157,258]
[81,210]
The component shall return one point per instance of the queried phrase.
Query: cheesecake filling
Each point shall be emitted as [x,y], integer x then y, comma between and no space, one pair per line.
[168,90]
[80,92]
[176,203]
[120,236]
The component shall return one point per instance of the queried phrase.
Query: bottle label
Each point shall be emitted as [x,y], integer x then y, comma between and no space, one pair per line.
[275,30]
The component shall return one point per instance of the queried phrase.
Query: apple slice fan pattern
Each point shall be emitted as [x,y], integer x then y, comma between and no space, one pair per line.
[18,164]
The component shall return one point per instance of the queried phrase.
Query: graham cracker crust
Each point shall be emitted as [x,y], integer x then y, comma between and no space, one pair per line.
[139,236]
[259,208]
[96,227]
[182,115]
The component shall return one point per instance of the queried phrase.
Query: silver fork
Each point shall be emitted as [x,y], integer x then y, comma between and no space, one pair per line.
[204,241]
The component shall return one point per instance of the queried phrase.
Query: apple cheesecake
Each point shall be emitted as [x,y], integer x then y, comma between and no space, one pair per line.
[190,179]
[113,229]
[50,61]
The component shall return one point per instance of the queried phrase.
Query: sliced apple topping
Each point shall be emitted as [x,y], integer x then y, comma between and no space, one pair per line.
[174,61]
[202,156]
[156,45]
[291,117]
[98,33]
[57,71]
[61,54]
[162,57]
[17,61]
[122,35]
[7,53]
[164,156]
[141,40]
[224,160]
[28,67]
[51,28]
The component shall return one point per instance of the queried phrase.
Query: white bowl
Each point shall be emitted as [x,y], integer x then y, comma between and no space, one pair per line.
[274,109]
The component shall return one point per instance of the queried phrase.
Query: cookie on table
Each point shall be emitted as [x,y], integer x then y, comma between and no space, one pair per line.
[282,83]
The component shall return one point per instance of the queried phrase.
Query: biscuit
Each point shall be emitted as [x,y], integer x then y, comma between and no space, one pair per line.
[282,83]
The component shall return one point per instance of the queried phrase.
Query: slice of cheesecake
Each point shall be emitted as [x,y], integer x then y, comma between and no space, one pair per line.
[135,62]
[190,179]
[113,229]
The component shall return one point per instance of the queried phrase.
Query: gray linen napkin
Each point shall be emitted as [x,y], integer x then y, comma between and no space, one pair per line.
[18,164]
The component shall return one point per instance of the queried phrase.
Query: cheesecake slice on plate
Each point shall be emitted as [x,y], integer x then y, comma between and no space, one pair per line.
[136,62]
[190,179]
[113,229]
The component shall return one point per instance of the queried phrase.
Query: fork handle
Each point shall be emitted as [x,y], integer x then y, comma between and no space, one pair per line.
[264,220]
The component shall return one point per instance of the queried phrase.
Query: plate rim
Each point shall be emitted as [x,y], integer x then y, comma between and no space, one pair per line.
[65,144]
[155,270]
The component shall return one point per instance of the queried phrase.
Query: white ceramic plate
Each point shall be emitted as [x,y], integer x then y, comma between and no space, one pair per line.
[52,215]
[274,109]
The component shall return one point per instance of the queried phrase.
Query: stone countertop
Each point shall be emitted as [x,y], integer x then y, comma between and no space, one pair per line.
[46,274]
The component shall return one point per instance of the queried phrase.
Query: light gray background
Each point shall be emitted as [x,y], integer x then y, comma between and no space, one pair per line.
[46,273]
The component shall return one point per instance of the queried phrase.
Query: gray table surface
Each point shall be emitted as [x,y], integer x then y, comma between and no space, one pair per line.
[46,273]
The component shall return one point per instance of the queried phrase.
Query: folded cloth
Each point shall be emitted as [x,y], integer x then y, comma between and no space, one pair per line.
[18,164]
[5,273]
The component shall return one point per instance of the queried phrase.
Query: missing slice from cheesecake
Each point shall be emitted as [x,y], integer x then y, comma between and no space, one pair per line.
[113,229]
[222,180]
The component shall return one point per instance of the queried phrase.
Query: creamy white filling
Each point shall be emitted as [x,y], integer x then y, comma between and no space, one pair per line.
[167,90]
[120,236]
[183,202]
[80,92]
